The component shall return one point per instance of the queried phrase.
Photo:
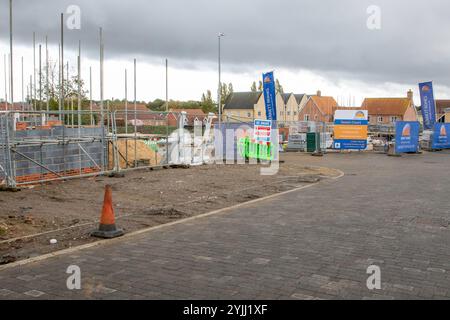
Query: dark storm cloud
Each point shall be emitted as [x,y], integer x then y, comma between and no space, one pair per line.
[326,36]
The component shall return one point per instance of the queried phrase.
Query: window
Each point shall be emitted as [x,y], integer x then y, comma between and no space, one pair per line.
[306,117]
[249,115]
[368,119]
[259,113]
[380,119]
[393,119]
[295,113]
[288,113]
[281,113]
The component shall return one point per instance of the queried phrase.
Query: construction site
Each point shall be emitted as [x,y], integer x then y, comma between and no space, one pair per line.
[61,171]
[53,173]
[260,194]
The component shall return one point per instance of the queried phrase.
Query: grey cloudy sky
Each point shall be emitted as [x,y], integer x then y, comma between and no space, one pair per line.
[324,36]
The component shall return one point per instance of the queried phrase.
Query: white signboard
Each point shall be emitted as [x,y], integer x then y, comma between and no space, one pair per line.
[351,115]
[262,130]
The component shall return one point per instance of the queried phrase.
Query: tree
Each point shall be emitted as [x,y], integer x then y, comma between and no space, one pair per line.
[157,105]
[255,88]
[230,88]
[207,102]
[70,88]
[226,91]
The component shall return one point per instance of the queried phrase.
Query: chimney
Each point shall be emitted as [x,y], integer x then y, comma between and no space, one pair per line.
[319,93]
[410,95]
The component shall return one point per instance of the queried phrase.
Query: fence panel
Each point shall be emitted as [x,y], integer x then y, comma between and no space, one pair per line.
[309,136]
[229,141]
[42,147]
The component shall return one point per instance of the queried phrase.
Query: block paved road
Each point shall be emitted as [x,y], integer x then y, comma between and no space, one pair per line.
[312,243]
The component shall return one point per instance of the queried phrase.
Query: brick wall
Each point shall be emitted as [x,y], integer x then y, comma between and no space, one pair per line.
[313,113]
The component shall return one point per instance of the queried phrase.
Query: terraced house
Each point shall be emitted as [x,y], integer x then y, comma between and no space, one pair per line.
[244,106]
[290,106]
[247,106]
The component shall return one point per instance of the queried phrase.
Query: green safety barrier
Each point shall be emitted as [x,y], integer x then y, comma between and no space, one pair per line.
[249,149]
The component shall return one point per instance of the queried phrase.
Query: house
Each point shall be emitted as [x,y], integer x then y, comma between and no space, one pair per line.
[193,116]
[318,108]
[17,106]
[441,107]
[141,115]
[388,110]
[244,107]
[287,106]
[301,100]
[247,106]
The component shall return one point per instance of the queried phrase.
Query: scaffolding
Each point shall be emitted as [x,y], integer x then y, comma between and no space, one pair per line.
[42,146]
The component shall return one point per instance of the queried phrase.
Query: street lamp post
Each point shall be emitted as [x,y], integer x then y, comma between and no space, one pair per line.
[219,89]
[11,54]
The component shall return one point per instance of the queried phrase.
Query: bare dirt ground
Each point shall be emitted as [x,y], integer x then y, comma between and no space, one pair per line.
[69,210]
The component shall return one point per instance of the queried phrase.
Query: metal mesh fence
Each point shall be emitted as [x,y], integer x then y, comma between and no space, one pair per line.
[38,146]
[308,136]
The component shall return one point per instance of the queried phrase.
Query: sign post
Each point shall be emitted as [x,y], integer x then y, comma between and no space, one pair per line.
[350,129]
[262,130]
[441,136]
[406,136]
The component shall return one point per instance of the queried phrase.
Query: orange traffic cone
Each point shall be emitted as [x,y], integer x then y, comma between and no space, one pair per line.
[107,227]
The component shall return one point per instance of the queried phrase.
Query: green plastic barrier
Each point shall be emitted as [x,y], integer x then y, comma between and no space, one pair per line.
[249,149]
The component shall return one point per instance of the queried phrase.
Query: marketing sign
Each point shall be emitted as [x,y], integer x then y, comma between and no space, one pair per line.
[350,129]
[406,136]
[270,96]
[441,136]
[262,130]
[428,104]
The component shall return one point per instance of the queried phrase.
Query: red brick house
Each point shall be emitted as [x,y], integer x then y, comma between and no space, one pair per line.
[144,116]
[389,110]
[318,108]
[192,115]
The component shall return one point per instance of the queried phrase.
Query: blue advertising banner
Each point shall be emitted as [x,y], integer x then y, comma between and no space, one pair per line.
[441,136]
[270,96]
[428,104]
[406,136]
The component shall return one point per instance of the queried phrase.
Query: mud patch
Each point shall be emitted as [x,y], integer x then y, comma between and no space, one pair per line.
[164,212]
[432,222]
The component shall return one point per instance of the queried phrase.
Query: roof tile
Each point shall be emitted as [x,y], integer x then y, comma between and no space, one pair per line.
[386,106]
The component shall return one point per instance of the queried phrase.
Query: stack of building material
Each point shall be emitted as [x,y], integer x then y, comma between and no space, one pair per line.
[132,152]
